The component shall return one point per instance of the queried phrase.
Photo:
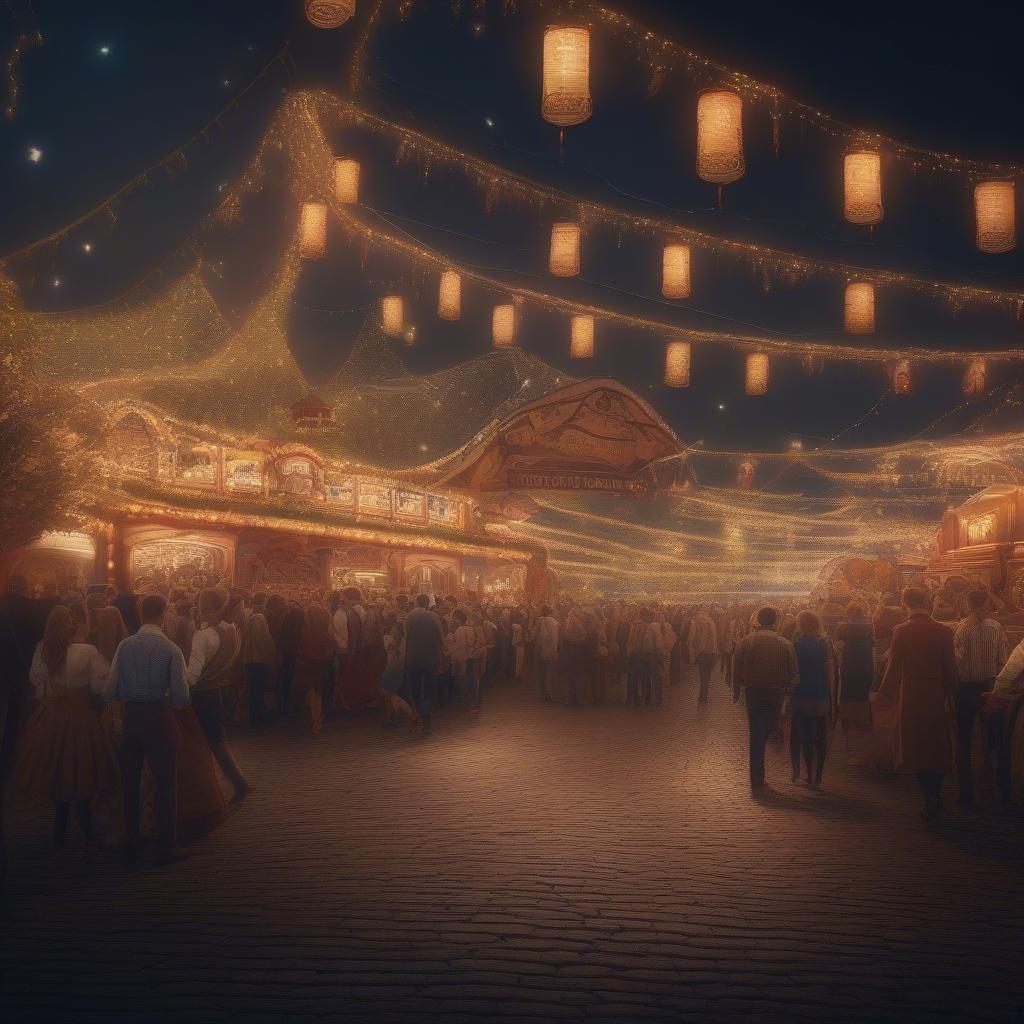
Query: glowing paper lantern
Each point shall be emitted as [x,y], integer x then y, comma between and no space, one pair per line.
[504,326]
[392,315]
[994,213]
[720,136]
[565,249]
[901,377]
[677,364]
[757,373]
[346,180]
[449,297]
[975,378]
[860,308]
[675,272]
[313,231]
[329,13]
[862,187]
[565,99]
[581,340]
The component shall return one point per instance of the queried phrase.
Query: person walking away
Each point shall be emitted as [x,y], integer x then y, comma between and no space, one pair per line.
[392,680]
[315,658]
[461,645]
[148,676]
[980,647]
[286,640]
[66,756]
[764,668]
[574,646]
[917,690]
[890,615]
[811,699]
[650,658]
[518,646]
[258,657]
[424,643]
[856,638]
[547,652]
[214,650]
[703,645]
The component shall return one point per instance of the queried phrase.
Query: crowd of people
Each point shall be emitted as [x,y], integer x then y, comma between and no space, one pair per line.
[118,704]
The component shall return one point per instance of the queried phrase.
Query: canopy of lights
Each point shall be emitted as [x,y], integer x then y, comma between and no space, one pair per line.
[752,522]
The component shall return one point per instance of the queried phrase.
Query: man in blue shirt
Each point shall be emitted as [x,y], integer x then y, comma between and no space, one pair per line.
[148,675]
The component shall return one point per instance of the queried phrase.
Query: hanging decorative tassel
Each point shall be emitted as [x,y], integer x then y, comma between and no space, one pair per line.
[776,126]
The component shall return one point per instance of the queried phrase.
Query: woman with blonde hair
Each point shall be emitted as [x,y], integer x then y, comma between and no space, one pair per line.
[810,702]
[66,755]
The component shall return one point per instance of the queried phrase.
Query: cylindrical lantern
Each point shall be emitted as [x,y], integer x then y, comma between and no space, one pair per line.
[901,377]
[565,249]
[720,136]
[329,13]
[677,364]
[862,187]
[675,272]
[581,340]
[757,373]
[565,99]
[313,231]
[346,180]
[392,315]
[994,213]
[860,308]
[504,326]
[975,378]
[449,297]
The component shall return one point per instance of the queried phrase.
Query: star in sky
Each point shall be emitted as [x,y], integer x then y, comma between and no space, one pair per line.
[35,154]
[104,50]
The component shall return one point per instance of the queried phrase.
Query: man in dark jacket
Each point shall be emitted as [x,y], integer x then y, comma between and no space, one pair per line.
[424,646]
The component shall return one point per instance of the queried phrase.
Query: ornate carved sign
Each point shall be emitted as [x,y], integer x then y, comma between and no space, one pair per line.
[589,436]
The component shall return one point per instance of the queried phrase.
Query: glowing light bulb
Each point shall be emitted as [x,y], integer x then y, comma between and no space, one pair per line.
[35,154]
[87,247]
[104,50]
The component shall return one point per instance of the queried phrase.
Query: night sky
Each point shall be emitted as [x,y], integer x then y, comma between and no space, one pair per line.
[115,86]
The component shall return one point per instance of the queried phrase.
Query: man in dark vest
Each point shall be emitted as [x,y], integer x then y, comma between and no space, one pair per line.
[215,647]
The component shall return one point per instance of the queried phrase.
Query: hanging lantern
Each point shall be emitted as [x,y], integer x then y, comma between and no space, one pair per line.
[392,315]
[329,13]
[901,377]
[677,364]
[565,99]
[975,378]
[504,326]
[346,180]
[449,297]
[860,308]
[565,249]
[757,373]
[581,340]
[862,187]
[995,216]
[313,231]
[675,272]
[720,136]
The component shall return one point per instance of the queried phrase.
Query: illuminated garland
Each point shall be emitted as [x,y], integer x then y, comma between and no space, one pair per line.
[663,55]
[499,184]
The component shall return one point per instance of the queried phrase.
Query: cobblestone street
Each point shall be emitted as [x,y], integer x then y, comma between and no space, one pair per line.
[541,863]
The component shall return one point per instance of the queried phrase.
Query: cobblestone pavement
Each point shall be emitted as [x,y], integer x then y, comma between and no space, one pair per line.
[540,863]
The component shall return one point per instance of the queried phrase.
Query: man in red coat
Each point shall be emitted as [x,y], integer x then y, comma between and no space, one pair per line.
[918,688]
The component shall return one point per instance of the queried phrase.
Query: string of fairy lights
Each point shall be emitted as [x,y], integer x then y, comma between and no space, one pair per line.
[719,542]
[567,85]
